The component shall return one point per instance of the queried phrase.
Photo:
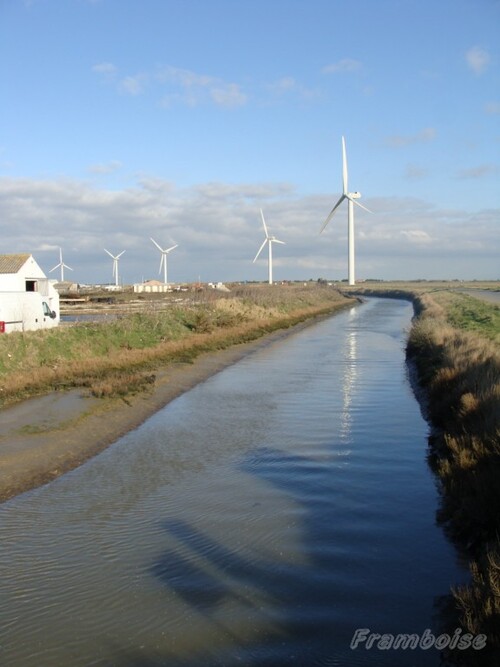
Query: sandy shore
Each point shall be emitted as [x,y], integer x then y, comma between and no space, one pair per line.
[44,437]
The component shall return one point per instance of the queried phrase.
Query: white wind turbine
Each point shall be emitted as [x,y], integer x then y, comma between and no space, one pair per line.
[269,240]
[61,265]
[163,261]
[351,198]
[115,264]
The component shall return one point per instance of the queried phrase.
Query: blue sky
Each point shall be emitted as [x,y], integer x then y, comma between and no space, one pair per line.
[178,120]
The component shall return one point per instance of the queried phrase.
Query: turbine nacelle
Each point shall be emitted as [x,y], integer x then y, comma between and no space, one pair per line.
[115,259]
[61,265]
[269,240]
[352,198]
[163,260]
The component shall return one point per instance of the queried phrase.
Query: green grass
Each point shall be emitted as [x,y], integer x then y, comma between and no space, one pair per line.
[471,314]
[121,352]
[453,343]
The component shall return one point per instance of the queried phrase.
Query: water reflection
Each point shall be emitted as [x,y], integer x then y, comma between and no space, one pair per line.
[350,373]
[228,529]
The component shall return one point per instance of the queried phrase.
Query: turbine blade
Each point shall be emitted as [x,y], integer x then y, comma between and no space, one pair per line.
[332,212]
[161,262]
[108,253]
[278,241]
[264,223]
[344,168]
[260,249]
[156,244]
[67,267]
[55,267]
[355,201]
[170,249]
[118,256]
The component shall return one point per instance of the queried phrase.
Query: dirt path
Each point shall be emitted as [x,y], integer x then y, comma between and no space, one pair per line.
[42,438]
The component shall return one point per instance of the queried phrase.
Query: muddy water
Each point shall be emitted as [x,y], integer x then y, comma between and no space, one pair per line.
[259,519]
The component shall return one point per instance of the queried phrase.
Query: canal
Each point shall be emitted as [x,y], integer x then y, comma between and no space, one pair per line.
[259,519]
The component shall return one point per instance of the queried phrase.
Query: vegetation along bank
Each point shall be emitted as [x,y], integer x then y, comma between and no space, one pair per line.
[114,373]
[454,346]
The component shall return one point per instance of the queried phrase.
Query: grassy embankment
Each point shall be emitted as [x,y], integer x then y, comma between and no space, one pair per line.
[119,357]
[454,343]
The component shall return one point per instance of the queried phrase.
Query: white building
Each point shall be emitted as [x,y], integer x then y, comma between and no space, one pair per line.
[152,286]
[28,299]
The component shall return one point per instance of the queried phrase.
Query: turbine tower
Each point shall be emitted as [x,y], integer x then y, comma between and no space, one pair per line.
[115,264]
[352,198]
[269,240]
[163,261]
[61,265]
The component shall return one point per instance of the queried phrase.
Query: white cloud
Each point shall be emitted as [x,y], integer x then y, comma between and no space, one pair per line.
[416,236]
[399,141]
[105,168]
[415,173]
[342,66]
[183,77]
[176,86]
[192,89]
[284,85]
[228,95]
[481,171]
[218,229]
[492,108]
[104,68]
[477,59]
[287,85]
[133,85]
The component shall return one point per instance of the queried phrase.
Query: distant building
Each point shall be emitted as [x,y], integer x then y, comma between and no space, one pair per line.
[66,286]
[152,286]
[219,286]
[28,299]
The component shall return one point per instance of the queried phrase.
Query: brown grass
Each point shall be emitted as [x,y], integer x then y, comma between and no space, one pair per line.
[453,345]
[460,372]
[110,357]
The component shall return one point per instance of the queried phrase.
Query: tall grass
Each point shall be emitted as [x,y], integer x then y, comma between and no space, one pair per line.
[453,344]
[118,356]
[460,372]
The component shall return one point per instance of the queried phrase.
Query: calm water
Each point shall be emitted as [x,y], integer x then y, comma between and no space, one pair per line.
[259,519]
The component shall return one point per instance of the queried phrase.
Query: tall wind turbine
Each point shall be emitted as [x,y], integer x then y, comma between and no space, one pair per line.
[61,265]
[351,199]
[163,261]
[115,264]
[269,240]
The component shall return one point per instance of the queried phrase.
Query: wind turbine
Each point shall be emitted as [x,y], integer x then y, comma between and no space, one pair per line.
[115,264]
[269,240]
[351,199]
[163,261]
[61,265]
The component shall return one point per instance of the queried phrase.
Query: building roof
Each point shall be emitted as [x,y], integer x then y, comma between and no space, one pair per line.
[13,263]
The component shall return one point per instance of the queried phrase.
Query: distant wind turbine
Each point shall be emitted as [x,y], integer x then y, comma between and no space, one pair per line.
[61,265]
[269,240]
[115,264]
[163,261]
[351,198]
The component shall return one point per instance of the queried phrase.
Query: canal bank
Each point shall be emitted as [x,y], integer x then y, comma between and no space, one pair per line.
[259,519]
[44,437]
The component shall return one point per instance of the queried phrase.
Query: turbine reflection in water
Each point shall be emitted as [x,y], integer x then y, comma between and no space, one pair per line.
[350,375]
